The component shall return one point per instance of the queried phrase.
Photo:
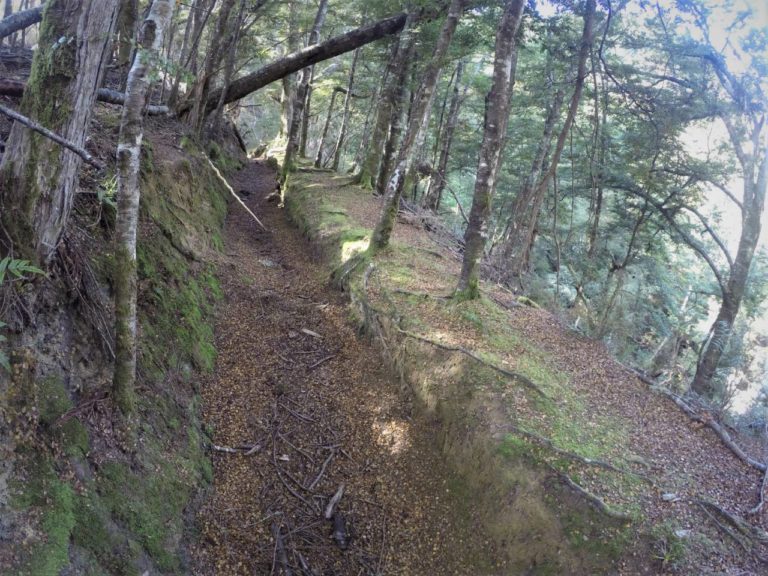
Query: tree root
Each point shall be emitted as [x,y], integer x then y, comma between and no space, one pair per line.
[707,421]
[594,500]
[741,532]
[763,488]
[573,456]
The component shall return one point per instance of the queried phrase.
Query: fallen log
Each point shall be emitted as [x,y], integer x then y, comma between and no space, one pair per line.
[15,89]
[20,20]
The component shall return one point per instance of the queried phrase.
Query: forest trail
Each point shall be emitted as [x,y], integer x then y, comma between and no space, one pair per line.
[313,408]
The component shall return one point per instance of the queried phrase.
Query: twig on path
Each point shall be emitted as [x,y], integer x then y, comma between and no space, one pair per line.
[32,125]
[234,194]
[244,450]
[334,500]
[322,470]
[321,361]
[288,487]
[297,415]
[280,553]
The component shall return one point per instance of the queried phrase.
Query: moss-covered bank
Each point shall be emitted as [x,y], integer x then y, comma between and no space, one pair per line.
[90,495]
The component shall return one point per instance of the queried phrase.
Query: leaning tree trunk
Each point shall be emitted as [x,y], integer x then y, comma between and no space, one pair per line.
[437,185]
[20,21]
[416,126]
[520,243]
[299,117]
[38,178]
[345,115]
[128,195]
[494,135]
[755,184]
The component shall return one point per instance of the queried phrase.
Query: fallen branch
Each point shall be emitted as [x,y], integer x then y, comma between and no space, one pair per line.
[244,450]
[596,501]
[20,20]
[709,422]
[320,474]
[234,194]
[15,89]
[321,361]
[572,455]
[32,125]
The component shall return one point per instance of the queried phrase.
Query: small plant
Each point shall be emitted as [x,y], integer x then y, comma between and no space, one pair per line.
[11,270]
[669,545]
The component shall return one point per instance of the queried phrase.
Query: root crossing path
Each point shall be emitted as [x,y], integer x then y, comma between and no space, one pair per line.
[301,406]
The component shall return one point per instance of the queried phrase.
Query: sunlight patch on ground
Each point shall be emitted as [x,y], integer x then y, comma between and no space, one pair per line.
[352,247]
[393,435]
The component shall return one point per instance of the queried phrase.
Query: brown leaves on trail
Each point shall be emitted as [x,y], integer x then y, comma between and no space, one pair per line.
[294,380]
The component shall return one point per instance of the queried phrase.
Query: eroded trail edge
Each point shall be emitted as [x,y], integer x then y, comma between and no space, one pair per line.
[300,406]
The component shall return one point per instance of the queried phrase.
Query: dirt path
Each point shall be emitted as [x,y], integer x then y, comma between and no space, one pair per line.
[310,399]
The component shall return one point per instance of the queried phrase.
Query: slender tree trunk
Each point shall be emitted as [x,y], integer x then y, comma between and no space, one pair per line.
[523,230]
[345,116]
[173,95]
[437,185]
[128,197]
[217,116]
[369,166]
[321,145]
[37,177]
[302,95]
[288,92]
[396,111]
[497,104]
[212,61]
[127,21]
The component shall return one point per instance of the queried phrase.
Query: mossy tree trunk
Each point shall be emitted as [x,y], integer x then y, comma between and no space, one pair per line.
[128,196]
[419,118]
[345,115]
[494,135]
[38,178]
[300,114]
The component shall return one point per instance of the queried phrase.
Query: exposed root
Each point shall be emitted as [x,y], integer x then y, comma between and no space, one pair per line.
[739,530]
[763,488]
[573,456]
[595,501]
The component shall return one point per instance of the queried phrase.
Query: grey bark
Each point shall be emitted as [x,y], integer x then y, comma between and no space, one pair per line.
[345,115]
[326,126]
[497,104]
[128,199]
[416,129]
[12,23]
[38,178]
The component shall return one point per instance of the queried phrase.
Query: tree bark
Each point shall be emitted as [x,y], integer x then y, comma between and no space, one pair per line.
[291,63]
[217,116]
[416,129]
[302,96]
[497,104]
[345,115]
[525,214]
[38,178]
[437,185]
[128,198]
[321,145]
[11,24]
[127,20]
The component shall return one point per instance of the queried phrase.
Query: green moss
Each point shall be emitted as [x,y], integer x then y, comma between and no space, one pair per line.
[74,438]
[53,399]
[53,499]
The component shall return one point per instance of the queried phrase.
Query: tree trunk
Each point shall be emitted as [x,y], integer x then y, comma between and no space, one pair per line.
[291,63]
[755,173]
[437,185]
[302,96]
[217,116]
[128,195]
[201,90]
[396,111]
[20,21]
[288,92]
[523,226]
[127,20]
[416,128]
[494,135]
[345,116]
[369,166]
[38,177]
[319,155]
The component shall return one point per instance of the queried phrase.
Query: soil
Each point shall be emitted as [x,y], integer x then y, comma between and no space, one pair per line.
[306,407]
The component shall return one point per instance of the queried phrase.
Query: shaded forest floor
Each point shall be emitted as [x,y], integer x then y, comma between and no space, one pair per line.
[309,407]
[310,402]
